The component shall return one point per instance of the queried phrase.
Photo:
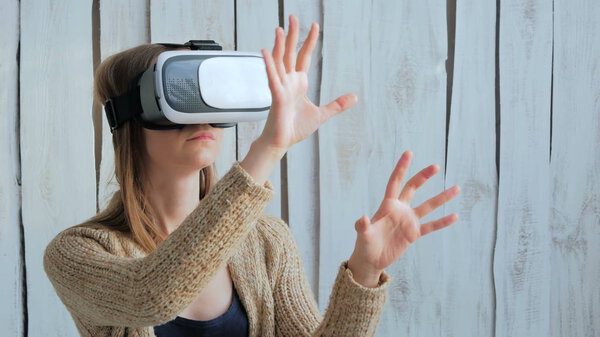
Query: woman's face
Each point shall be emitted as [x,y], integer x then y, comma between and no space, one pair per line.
[179,147]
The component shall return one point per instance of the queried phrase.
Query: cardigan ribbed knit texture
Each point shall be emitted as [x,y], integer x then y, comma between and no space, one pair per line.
[112,288]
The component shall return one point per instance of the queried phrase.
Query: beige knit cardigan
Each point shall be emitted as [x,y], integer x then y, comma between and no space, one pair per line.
[111,288]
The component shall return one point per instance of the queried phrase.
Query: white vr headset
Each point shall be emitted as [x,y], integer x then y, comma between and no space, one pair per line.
[203,85]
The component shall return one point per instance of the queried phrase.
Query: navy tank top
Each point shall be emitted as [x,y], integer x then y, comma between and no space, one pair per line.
[234,323]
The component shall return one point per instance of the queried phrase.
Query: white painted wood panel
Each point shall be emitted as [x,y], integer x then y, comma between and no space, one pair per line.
[11,260]
[408,112]
[183,20]
[303,158]
[255,29]
[123,24]
[575,171]
[392,56]
[57,142]
[539,279]
[468,307]
[522,254]
[342,155]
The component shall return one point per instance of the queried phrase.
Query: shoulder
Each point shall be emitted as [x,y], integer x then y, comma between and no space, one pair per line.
[87,230]
[91,236]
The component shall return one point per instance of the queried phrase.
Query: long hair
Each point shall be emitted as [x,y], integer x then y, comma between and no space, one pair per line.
[129,209]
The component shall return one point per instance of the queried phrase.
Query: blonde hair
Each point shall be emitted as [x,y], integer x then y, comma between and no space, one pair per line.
[129,209]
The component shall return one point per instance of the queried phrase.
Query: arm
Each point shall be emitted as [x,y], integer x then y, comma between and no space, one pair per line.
[106,289]
[353,310]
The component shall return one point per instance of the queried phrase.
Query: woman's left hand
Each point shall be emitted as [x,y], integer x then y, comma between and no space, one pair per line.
[382,240]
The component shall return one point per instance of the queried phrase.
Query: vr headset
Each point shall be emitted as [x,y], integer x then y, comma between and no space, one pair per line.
[202,85]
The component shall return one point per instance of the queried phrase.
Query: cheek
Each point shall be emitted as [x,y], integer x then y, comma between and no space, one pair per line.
[159,148]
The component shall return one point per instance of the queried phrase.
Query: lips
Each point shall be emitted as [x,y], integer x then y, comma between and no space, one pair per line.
[205,134]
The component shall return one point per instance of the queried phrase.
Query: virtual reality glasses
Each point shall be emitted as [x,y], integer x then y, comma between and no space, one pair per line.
[203,85]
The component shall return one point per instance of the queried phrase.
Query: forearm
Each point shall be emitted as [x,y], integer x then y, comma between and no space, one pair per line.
[108,289]
[261,160]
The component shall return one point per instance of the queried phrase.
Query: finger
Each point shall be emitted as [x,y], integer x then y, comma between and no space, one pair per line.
[289,58]
[408,192]
[440,223]
[278,53]
[305,54]
[437,201]
[393,187]
[274,82]
[362,224]
[338,105]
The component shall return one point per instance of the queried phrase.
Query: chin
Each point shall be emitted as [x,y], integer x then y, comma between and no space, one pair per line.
[202,163]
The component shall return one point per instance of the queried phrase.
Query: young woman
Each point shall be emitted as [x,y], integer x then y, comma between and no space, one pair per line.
[177,253]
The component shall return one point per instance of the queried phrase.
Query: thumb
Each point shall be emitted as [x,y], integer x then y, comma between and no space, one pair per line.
[362,224]
[338,105]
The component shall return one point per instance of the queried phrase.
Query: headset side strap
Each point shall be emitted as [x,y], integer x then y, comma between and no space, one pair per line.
[122,108]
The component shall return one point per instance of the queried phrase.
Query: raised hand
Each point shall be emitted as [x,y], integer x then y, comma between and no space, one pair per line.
[382,240]
[293,117]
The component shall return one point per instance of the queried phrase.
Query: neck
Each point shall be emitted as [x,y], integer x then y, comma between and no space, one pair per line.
[173,194]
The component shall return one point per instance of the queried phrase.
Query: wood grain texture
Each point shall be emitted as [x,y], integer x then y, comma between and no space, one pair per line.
[408,112]
[468,307]
[342,180]
[122,25]
[183,20]
[392,56]
[530,270]
[303,158]
[574,171]
[522,253]
[57,142]
[11,279]
[255,29]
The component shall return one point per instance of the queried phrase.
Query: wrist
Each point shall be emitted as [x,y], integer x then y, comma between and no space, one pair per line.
[260,161]
[362,274]
[273,151]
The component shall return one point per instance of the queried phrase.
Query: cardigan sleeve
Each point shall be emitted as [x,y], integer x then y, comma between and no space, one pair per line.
[353,310]
[105,289]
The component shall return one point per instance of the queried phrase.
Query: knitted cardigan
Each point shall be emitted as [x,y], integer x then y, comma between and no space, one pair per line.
[111,288]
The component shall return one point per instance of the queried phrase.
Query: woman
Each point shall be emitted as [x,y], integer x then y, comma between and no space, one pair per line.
[161,261]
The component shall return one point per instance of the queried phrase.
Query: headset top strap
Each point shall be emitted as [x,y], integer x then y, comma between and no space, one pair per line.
[195,45]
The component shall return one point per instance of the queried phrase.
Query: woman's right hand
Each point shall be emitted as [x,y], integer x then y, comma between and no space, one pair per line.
[293,117]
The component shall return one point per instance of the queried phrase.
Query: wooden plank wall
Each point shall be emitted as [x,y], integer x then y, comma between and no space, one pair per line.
[522,264]
[11,230]
[468,290]
[503,95]
[574,171]
[57,143]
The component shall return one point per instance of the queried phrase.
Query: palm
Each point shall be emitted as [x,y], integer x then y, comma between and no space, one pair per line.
[383,239]
[394,230]
[293,117]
